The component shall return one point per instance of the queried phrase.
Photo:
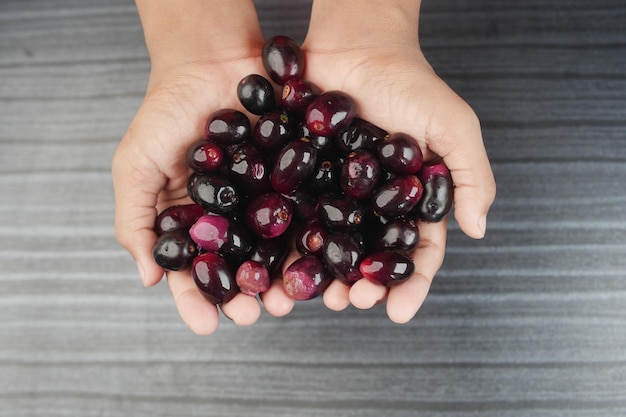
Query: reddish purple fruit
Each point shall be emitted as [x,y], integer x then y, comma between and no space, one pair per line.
[361,134]
[306,278]
[294,164]
[360,174]
[249,170]
[210,232]
[252,278]
[204,156]
[342,255]
[310,239]
[214,193]
[256,94]
[399,234]
[273,130]
[339,212]
[400,154]
[329,113]
[228,126]
[214,278]
[298,94]
[387,268]
[283,59]
[270,252]
[174,250]
[397,196]
[179,217]
[269,215]
[438,192]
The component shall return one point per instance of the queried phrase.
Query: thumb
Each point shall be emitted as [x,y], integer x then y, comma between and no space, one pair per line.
[136,189]
[461,145]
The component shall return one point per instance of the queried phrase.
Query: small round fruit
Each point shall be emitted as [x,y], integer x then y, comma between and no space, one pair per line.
[204,156]
[438,194]
[361,134]
[228,126]
[273,129]
[342,254]
[256,94]
[269,215]
[306,278]
[400,154]
[298,94]
[360,174]
[283,59]
[174,250]
[248,169]
[339,212]
[209,232]
[252,278]
[270,252]
[178,217]
[294,165]
[310,239]
[213,193]
[397,196]
[329,113]
[399,234]
[214,278]
[388,268]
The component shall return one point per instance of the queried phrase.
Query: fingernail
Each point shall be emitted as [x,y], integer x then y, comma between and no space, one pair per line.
[141,273]
[482,225]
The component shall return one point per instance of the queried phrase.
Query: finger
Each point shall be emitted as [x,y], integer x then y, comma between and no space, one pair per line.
[136,188]
[405,299]
[366,294]
[337,296]
[276,301]
[197,313]
[459,141]
[242,309]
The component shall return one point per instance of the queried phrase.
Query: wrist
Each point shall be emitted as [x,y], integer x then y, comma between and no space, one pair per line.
[356,24]
[196,31]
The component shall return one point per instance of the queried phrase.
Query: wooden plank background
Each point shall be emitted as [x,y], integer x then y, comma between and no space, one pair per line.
[530,321]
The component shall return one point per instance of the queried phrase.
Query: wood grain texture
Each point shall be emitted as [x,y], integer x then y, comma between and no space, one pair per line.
[530,321]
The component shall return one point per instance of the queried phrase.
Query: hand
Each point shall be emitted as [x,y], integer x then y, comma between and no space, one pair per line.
[396,89]
[149,168]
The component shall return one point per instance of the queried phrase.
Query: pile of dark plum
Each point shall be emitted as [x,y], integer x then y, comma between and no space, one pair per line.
[307,174]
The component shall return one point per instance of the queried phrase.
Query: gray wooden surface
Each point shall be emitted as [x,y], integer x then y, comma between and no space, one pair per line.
[531,321]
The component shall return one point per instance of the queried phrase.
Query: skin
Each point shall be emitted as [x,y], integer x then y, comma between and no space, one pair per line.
[373,52]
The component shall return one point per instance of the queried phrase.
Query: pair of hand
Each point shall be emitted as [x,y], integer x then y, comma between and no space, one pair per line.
[393,86]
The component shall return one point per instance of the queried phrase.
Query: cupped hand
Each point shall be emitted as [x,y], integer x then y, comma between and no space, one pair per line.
[395,88]
[150,174]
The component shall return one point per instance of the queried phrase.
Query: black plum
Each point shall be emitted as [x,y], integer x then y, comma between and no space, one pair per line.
[174,250]
[228,126]
[437,198]
[388,267]
[329,113]
[283,59]
[178,217]
[256,94]
[306,278]
[214,278]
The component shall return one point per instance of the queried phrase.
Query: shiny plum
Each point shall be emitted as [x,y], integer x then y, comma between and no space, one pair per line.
[342,254]
[228,126]
[177,217]
[294,164]
[306,278]
[438,193]
[174,250]
[400,154]
[269,215]
[283,59]
[213,277]
[388,267]
[397,196]
[360,174]
[329,113]
[256,94]
[204,155]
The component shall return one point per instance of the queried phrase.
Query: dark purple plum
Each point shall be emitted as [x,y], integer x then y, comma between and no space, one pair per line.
[252,278]
[438,193]
[248,169]
[397,196]
[273,130]
[269,215]
[298,94]
[213,277]
[339,212]
[399,234]
[310,239]
[209,232]
[360,174]
[270,252]
[306,278]
[174,250]
[294,164]
[361,134]
[204,155]
[256,94]
[342,255]
[324,144]
[178,217]
[329,113]
[400,154]
[388,267]
[228,126]
[214,193]
[283,59]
